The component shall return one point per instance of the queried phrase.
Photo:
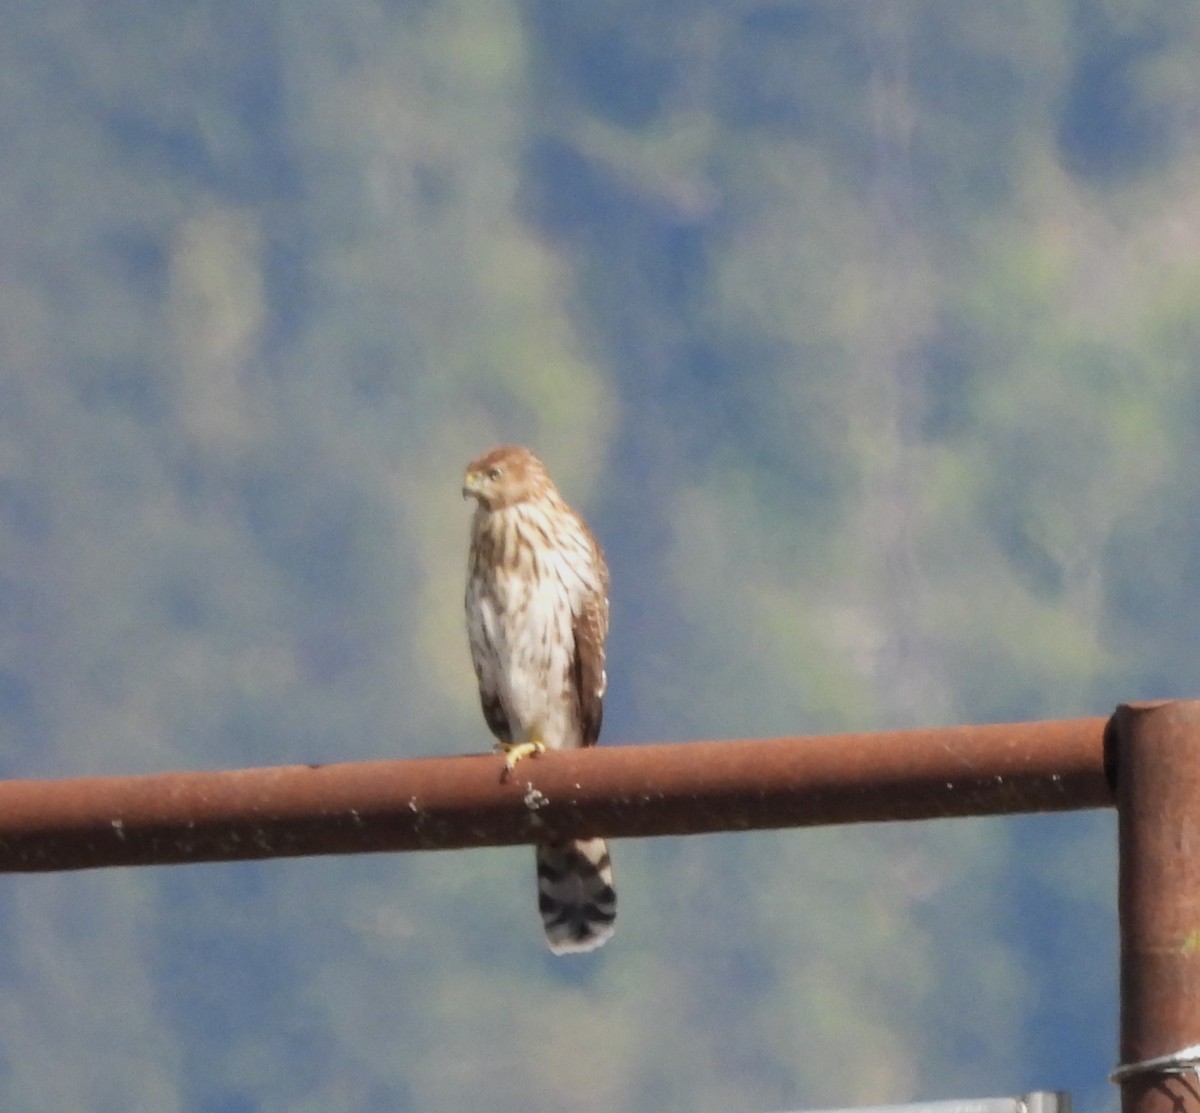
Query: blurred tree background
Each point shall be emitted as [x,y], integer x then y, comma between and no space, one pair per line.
[865,333]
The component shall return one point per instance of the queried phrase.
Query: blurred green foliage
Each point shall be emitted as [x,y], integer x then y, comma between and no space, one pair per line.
[865,334]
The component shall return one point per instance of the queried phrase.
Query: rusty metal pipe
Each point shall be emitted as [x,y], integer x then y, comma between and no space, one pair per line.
[445,803]
[1158,824]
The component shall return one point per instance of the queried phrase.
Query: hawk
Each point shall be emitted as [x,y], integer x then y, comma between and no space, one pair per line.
[537,616]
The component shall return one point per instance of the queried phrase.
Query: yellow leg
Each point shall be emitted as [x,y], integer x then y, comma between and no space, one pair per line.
[515,751]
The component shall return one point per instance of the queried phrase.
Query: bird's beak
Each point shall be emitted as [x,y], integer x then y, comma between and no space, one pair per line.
[470,485]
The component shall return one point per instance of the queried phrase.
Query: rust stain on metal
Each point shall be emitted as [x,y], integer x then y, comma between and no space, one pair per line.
[1158,760]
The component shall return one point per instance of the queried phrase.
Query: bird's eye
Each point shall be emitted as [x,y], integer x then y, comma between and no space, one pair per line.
[493,473]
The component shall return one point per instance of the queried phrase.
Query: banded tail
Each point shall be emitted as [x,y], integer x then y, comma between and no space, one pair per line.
[575,894]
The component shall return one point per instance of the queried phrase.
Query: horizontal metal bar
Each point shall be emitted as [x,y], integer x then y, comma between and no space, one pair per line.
[620,791]
[1037,1101]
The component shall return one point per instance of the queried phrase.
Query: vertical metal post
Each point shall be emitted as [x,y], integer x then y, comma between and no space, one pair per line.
[1157,750]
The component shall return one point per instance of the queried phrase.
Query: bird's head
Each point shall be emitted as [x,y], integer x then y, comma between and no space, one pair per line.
[505,476]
